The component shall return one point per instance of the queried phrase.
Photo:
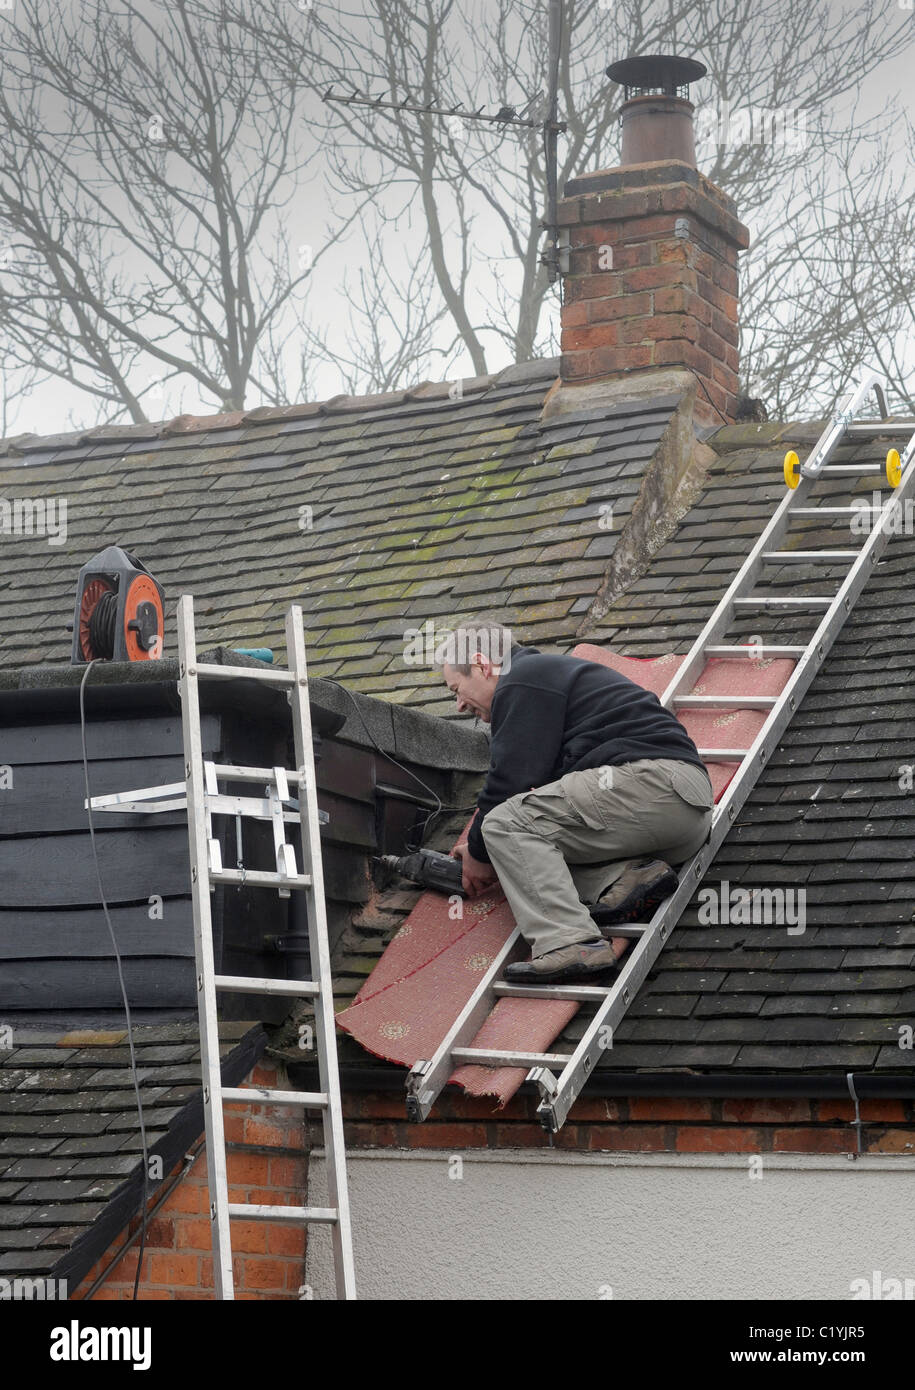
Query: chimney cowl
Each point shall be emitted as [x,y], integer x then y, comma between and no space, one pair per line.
[656,116]
[656,74]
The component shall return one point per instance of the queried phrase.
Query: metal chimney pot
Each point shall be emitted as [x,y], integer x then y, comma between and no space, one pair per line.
[657,115]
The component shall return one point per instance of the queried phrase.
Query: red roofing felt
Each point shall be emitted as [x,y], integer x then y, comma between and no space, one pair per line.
[433,964]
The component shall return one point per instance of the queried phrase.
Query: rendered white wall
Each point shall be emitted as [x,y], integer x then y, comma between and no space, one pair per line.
[527,1225]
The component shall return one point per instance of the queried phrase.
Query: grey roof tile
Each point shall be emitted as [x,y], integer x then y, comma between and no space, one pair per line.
[515,488]
[72,1152]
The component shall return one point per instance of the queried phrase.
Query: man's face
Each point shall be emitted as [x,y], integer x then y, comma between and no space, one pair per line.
[475,690]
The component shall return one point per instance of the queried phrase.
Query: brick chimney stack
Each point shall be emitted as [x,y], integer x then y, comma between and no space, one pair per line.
[652,278]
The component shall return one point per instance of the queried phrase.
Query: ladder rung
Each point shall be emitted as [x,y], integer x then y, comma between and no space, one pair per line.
[753,653]
[723,755]
[630,929]
[252,807]
[808,555]
[229,772]
[486,1057]
[248,673]
[834,511]
[726,701]
[583,993]
[878,428]
[244,1211]
[864,469]
[817,601]
[260,878]
[248,984]
[311,1100]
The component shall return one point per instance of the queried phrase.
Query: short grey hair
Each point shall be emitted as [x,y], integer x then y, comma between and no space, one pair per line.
[482,634]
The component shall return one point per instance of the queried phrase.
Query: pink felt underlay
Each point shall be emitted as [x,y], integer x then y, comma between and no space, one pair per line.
[434,962]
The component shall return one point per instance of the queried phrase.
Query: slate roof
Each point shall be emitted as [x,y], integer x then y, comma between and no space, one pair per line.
[827,816]
[70,1166]
[218,501]
[423,508]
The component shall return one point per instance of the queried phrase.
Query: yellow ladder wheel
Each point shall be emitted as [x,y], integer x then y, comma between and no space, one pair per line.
[893,468]
[792,469]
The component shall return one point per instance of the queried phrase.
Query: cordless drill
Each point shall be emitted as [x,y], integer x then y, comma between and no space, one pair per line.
[428,868]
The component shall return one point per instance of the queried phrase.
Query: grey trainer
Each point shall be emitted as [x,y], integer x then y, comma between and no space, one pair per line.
[581,958]
[638,891]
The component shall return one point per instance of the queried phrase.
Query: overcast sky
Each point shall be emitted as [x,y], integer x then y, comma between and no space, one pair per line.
[56,406]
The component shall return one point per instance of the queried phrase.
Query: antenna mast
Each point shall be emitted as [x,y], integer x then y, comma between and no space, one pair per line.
[505,116]
[551,129]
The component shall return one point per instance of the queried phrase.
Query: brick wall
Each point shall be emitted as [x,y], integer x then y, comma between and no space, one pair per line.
[637,1125]
[266,1163]
[652,279]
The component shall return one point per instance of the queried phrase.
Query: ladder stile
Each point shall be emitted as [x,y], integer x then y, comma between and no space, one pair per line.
[319,947]
[214,1128]
[713,634]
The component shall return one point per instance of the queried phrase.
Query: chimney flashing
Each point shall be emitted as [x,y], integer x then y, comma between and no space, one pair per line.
[614,203]
[649,179]
[645,175]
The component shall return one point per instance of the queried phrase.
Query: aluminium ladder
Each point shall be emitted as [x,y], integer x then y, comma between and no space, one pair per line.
[560,1077]
[200,794]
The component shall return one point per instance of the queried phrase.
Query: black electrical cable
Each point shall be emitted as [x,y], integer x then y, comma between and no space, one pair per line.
[707,396]
[441,806]
[117,956]
[166,1191]
[102,622]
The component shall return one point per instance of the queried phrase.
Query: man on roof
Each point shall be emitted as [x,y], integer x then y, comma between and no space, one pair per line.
[594,791]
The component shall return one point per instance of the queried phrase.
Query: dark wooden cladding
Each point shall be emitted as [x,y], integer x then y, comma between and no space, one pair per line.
[56,954]
[351,823]
[59,870]
[147,737]
[346,771]
[56,958]
[81,933]
[346,877]
[354,773]
[49,796]
[93,984]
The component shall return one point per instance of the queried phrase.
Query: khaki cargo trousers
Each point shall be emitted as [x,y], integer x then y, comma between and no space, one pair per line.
[561,845]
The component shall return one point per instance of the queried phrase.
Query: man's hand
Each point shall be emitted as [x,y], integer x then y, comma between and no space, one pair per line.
[476,876]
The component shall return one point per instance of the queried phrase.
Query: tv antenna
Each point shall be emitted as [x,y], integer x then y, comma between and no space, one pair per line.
[553,256]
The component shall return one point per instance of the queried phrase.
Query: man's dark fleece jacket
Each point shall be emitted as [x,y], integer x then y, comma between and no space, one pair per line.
[557,714]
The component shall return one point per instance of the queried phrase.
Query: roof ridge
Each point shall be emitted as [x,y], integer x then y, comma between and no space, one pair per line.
[456,388]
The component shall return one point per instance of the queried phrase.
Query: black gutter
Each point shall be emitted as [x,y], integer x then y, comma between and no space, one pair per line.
[411,735]
[123,686]
[729,1085]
